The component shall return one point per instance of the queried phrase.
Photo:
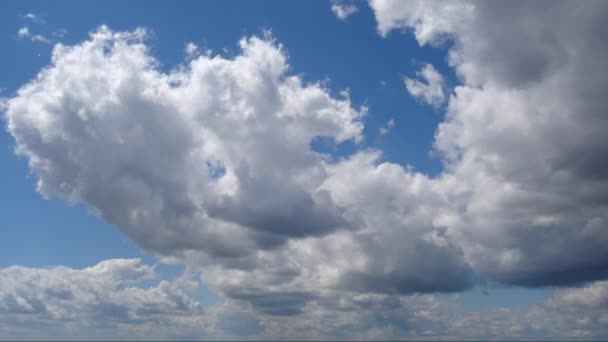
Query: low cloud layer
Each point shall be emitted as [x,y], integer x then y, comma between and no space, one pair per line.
[211,164]
[104,297]
[115,300]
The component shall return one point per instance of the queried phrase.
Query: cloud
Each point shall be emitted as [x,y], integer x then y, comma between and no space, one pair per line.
[343,10]
[390,124]
[32,17]
[211,164]
[430,90]
[191,50]
[24,33]
[103,299]
[522,136]
[110,301]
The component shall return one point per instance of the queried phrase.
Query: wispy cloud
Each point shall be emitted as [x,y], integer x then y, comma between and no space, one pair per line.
[384,130]
[32,17]
[343,10]
[429,89]
[25,33]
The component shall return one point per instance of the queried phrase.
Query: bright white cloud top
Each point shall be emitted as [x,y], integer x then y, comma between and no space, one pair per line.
[210,165]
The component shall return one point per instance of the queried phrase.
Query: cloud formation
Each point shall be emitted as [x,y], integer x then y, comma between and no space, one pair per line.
[211,164]
[523,135]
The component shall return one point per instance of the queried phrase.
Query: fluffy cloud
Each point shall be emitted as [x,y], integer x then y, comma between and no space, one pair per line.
[211,164]
[430,89]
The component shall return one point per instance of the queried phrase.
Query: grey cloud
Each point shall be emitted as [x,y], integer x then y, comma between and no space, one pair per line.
[274,303]
[522,136]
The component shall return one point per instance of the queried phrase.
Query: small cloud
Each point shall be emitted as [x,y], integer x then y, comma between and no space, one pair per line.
[191,50]
[33,17]
[40,38]
[387,127]
[430,89]
[60,33]
[343,10]
[24,32]
[383,83]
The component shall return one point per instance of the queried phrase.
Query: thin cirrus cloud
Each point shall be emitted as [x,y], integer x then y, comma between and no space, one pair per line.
[522,199]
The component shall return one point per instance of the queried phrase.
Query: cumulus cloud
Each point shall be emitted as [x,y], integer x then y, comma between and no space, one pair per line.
[343,10]
[211,164]
[430,89]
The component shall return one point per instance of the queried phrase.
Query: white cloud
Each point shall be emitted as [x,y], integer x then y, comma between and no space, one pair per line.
[191,50]
[40,38]
[430,89]
[343,10]
[24,32]
[390,124]
[33,17]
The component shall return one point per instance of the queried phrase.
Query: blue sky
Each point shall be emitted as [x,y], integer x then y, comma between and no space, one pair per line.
[458,211]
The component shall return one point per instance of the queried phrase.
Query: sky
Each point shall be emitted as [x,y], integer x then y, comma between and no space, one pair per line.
[379,170]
